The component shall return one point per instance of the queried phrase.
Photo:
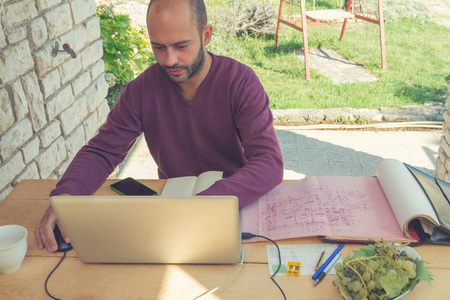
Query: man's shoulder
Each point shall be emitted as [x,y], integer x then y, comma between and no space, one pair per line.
[231,65]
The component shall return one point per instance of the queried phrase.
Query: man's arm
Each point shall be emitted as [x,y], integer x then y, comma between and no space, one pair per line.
[95,162]
[264,167]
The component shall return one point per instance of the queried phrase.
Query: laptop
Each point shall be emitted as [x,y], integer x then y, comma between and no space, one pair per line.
[152,229]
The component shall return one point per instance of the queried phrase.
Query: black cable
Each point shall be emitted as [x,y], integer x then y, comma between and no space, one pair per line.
[248,235]
[48,277]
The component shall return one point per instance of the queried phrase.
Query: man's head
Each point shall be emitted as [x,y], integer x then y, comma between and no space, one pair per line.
[178,34]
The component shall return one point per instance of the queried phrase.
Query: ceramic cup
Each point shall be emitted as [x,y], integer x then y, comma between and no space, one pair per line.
[13,247]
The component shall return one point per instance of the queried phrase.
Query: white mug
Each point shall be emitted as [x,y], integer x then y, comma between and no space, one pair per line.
[13,247]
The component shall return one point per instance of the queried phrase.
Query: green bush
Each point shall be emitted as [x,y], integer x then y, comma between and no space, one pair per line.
[125,50]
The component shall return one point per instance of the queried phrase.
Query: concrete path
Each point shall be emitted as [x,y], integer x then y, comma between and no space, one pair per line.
[323,152]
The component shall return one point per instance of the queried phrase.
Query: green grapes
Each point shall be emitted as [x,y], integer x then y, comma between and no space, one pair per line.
[366,276]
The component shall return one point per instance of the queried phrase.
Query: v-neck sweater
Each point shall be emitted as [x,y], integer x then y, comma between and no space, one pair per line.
[226,126]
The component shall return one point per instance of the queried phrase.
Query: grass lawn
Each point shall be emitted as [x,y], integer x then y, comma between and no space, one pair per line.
[418,61]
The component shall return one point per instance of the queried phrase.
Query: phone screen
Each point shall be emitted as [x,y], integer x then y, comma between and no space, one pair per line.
[132,187]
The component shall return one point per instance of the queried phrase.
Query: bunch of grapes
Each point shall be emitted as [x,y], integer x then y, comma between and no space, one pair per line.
[369,277]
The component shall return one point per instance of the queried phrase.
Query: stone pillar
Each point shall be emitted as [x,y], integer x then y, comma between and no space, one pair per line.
[443,159]
[50,106]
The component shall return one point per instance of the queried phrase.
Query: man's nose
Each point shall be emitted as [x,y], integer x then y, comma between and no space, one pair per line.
[171,58]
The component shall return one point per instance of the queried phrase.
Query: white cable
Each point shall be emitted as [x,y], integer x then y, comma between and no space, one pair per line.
[226,281]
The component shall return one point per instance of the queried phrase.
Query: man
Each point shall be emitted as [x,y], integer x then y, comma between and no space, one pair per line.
[198,112]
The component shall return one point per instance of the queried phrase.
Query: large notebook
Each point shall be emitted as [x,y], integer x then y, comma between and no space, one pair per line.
[152,229]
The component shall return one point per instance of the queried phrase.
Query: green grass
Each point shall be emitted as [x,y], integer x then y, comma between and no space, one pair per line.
[418,61]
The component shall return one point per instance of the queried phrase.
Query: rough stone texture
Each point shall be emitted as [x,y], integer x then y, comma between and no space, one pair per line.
[30,150]
[52,157]
[6,114]
[43,105]
[20,101]
[10,169]
[35,100]
[59,102]
[11,68]
[51,82]
[59,20]
[12,139]
[71,117]
[18,12]
[50,133]
[17,35]
[39,34]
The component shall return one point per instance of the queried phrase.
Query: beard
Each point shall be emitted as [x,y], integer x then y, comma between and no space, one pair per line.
[191,70]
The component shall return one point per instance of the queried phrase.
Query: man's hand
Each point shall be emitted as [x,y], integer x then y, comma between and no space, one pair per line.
[44,232]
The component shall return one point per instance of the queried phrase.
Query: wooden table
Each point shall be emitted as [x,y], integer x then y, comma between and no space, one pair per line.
[75,280]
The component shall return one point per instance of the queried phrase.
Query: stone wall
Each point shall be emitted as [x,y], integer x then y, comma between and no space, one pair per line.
[443,159]
[50,105]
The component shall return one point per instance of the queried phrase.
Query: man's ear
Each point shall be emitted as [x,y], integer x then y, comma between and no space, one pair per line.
[207,35]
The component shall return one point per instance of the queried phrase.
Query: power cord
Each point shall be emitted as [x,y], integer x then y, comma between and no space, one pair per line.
[223,283]
[48,277]
[248,235]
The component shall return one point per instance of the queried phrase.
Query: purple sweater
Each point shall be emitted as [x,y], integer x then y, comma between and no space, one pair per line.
[227,127]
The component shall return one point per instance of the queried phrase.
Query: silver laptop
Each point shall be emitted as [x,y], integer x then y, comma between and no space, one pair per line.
[152,229]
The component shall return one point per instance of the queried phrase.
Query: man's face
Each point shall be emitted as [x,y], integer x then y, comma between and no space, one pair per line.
[176,42]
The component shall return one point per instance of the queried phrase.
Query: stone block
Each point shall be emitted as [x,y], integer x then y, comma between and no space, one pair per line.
[44,4]
[91,125]
[30,150]
[6,113]
[82,9]
[445,146]
[50,82]
[75,141]
[20,102]
[92,54]
[30,172]
[59,102]
[51,158]
[97,69]
[17,35]
[96,93]
[76,38]
[103,111]
[35,100]
[10,169]
[59,172]
[50,133]
[59,20]
[22,62]
[14,137]
[18,12]
[38,30]
[92,26]
[70,69]
[72,116]
[81,82]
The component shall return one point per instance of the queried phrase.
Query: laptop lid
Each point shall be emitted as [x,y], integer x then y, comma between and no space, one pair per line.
[151,229]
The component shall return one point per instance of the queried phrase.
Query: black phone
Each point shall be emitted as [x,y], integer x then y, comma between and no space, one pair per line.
[131,187]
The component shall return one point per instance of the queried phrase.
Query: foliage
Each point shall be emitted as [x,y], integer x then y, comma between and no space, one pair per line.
[124,48]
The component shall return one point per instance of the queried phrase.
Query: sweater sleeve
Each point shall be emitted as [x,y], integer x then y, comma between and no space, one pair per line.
[263,169]
[97,160]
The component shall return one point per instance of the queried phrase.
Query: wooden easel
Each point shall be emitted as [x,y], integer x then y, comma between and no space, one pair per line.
[350,13]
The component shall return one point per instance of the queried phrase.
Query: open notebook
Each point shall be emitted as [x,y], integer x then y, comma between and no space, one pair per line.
[149,229]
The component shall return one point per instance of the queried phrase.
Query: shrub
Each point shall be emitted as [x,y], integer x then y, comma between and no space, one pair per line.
[124,50]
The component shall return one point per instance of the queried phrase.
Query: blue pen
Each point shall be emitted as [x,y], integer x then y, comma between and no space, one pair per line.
[325,264]
[327,269]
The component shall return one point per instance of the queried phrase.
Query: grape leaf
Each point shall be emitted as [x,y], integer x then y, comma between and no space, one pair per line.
[366,251]
[393,284]
[422,273]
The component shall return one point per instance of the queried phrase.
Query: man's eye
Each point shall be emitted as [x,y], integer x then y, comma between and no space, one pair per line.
[182,46]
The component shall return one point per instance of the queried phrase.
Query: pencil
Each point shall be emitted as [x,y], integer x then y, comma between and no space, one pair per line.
[320,261]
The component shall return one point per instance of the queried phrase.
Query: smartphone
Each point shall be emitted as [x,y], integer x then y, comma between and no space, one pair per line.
[132,187]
